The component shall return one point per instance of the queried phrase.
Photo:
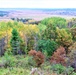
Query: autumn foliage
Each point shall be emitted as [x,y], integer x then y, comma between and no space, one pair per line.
[63,37]
[59,56]
[37,56]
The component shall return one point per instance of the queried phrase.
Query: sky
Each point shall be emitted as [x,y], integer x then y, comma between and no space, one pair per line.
[37,3]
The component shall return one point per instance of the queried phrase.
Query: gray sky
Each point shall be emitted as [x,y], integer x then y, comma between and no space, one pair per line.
[37,3]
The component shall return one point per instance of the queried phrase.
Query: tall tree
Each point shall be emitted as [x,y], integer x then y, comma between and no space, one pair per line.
[15,41]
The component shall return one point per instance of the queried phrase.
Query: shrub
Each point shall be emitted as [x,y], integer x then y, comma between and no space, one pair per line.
[8,60]
[60,69]
[25,62]
[59,56]
[37,56]
[32,53]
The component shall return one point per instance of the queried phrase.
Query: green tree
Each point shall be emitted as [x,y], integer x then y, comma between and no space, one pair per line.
[47,46]
[51,25]
[49,32]
[9,24]
[55,21]
[15,41]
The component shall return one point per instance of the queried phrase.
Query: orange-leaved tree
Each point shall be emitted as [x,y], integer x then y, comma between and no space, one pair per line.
[59,56]
[37,56]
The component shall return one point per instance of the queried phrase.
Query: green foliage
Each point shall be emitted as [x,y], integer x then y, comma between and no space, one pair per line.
[55,21]
[15,41]
[30,44]
[15,23]
[9,24]
[22,65]
[49,32]
[24,62]
[69,70]
[26,36]
[8,60]
[47,46]
[41,29]
[14,71]
[59,69]
[51,24]
[30,62]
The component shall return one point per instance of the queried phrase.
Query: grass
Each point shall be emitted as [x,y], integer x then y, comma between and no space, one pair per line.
[14,71]
[22,65]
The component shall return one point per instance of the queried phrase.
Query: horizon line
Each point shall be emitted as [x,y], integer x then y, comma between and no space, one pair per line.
[33,8]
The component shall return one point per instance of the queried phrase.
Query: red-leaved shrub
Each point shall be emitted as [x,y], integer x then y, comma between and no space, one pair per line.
[37,56]
[59,56]
[32,52]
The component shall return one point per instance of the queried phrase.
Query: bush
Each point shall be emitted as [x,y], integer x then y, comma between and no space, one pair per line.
[60,69]
[25,62]
[32,52]
[37,56]
[8,60]
[59,56]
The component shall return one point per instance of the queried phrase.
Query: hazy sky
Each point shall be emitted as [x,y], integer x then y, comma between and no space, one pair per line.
[37,3]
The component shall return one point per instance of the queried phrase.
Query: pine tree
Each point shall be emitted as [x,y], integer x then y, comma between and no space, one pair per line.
[15,41]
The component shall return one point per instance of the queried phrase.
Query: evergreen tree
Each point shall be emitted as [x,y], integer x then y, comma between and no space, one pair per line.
[15,41]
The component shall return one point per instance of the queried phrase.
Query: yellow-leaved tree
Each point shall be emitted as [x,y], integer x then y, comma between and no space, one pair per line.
[63,37]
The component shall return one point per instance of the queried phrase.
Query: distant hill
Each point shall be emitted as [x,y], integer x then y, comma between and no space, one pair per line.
[37,14]
[3,13]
